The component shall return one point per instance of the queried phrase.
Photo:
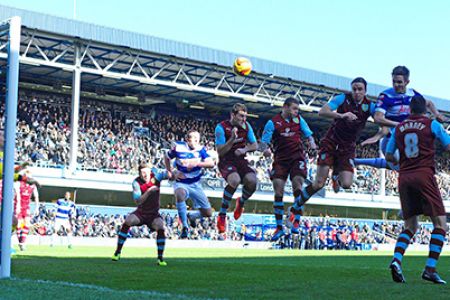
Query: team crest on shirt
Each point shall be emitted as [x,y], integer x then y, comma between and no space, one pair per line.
[365,107]
[323,156]
[287,129]
[296,120]
[245,126]
[153,180]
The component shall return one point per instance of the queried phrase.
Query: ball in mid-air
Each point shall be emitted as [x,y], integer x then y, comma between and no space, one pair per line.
[242,66]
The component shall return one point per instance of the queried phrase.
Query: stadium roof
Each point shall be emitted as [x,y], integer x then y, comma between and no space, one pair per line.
[316,82]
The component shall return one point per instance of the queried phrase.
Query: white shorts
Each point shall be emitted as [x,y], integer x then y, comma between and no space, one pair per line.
[65,223]
[195,192]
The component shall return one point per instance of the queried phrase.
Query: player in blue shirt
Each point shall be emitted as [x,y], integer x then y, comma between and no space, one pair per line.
[393,108]
[190,159]
[64,211]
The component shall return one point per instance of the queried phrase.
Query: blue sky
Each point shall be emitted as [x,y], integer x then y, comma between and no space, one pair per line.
[348,38]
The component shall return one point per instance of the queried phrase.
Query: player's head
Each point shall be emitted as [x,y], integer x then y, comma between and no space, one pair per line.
[291,106]
[193,138]
[144,171]
[418,105]
[359,88]
[238,114]
[400,79]
[67,195]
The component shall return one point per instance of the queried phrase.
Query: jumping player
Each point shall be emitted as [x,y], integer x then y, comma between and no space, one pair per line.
[419,191]
[337,149]
[234,138]
[190,157]
[146,196]
[286,130]
[392,108]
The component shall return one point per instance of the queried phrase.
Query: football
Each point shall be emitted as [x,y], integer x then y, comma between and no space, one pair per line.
[242,66]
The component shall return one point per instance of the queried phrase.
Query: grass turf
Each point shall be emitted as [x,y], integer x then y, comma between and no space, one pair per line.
[88,273]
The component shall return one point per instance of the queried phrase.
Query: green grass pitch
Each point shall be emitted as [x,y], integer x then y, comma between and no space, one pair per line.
[88,273]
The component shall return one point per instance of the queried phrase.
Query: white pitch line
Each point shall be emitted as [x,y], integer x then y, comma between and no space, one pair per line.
[109,290]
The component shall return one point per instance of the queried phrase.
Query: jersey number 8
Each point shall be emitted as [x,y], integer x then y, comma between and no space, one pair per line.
[411,145]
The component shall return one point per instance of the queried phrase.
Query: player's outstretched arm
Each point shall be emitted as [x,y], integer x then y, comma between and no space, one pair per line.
[384,131]
[206,163]
[432,108]
[381,120]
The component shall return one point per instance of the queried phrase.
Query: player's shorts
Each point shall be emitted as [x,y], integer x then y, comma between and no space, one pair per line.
[24,213]
[145,219]
[383,146]
[241,167]
[195,192]
[419,194]
[336,156]
[289,168]
[65,223]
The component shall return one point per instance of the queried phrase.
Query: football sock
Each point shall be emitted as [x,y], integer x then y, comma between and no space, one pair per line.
[160,243]
[379,163]
[182,213]
[227,196]
[278,209]
[436,244]
[122,237]
[403,241]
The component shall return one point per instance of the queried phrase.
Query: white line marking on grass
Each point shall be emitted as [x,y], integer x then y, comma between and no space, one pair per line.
[110,290]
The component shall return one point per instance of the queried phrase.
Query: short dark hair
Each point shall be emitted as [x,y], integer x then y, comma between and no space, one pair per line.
[238,107]
[401,71]
[291,100]
[143,165]
[360,80]
[418,105]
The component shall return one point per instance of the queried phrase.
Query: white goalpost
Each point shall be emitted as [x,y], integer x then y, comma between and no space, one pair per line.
[12,28]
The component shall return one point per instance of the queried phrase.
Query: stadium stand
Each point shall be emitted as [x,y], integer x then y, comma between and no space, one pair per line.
[116,137]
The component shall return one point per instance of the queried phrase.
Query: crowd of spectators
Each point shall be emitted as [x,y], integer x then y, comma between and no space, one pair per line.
[315,232]
[115,138]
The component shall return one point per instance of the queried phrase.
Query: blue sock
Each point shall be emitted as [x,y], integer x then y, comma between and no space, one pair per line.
[182,212]
[379,163]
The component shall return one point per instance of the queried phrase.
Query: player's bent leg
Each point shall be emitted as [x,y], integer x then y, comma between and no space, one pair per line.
[297,183]
[158,226]
[233,180]
[346,179]
[181,194]
[317,185]
[403,240]
[278,207]
[249,187]
[201,203]
[131,220]
[435,249]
